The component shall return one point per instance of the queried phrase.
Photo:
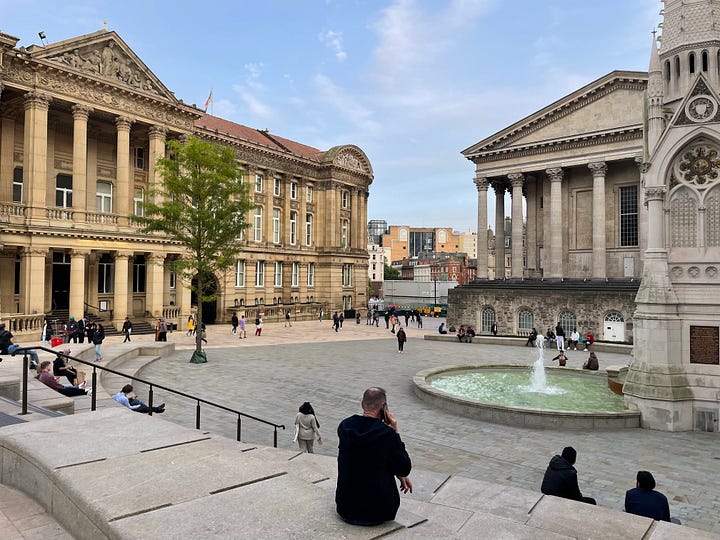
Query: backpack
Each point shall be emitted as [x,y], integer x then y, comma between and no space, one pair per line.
[257,320]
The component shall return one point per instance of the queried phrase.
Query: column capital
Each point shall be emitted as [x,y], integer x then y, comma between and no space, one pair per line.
[642,164]
[37,100]
[555,174]
[482,183]
[81,112]
[157,132]
[598,168]
[123,123]
[123,254]
[499,187]
[79,252]
[655,193]
[35,252]
[516,179]
[155,258]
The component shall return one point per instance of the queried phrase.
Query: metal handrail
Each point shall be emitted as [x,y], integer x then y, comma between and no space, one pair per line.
[151,385]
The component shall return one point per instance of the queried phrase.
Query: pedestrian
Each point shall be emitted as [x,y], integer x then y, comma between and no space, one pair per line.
[387,320]
[336,321]
[321,315]
[341,319]
[72,330]
[234,322]
[376,318]
[368,318]
[46,333]
[190,326]
[258,325]
[560,477]
[287,319]
[418,318]
[203,332]
[393,322]
[243,333]
[307,428]
[90,329]
[98,338]
[402,338]
[127,329]
[560,337]
[371,455]
[81,330]
[493,329]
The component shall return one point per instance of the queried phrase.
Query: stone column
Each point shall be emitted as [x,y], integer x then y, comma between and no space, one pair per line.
[120,296]
[301,213]
[7,149]
[156,136]
[499,230]
[517,179]
[155,282]
[35,149]
[599,170]
[32,280]
[532,228]
[77,282]
[80,113]
[642,208]
[123,186]
[482,220]
[655,195]
[555,263]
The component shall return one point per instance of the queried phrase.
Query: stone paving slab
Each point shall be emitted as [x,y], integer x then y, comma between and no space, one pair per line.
[670,531]
[583,520]
[21,518]
[282,507]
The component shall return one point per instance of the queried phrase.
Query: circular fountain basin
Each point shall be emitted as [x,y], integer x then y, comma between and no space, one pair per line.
[575,399]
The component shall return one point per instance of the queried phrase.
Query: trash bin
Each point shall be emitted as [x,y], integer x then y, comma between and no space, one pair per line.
[54,342]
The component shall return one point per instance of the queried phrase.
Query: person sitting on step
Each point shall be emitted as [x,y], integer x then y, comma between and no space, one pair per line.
[129,399]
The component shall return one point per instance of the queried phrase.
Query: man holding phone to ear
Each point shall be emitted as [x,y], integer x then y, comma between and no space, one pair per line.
[371,454]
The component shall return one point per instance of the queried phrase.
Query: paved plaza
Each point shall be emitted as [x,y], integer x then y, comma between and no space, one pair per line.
[271,375]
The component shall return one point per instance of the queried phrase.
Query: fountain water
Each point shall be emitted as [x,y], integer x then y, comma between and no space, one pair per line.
[538,381]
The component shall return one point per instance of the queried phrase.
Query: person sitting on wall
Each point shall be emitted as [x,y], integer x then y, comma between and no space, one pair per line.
[560,477]
[589,340]
[128,398]
[644,501]
[8,347]
[531,338]
[574,339]
[469,334]
[549,337]
[461,333]
[441,329]
[592,362]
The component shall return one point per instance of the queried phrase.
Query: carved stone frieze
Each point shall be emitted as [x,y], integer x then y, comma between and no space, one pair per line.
[347,159]
[102,96]
[63,164]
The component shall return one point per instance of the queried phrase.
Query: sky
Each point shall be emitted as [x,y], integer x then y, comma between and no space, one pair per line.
[411,82]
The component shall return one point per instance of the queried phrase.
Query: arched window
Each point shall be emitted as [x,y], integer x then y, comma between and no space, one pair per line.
[683,219]
[614,316]
[526,321]
[691,62]
[666,69]
[677,68]
[704,60]
[488,318]
[568,321]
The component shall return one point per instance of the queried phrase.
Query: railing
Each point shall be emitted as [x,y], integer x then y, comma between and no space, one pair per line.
[93,398]
[171,312]
[59,213]
[19,323]
[100,217]
[12,209]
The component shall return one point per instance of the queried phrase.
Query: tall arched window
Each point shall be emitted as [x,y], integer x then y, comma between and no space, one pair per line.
[704,60]
[683,219]
[666,69]
[691,62]
[677,68]
[488,318]
[568,321]
[526,321]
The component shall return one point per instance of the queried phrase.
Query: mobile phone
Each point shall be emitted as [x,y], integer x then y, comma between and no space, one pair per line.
[383,418]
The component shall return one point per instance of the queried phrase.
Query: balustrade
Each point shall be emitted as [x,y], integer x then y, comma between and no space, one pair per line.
[59,213]
[23,324]
[13,209]
[100,217]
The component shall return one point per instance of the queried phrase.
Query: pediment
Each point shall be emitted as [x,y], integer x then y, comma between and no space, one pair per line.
[700,106]
[105,56]
[611,104]
[350,157]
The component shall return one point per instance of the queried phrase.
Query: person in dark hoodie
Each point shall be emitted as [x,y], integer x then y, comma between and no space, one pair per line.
[371,454]
[561,477]
[643,500]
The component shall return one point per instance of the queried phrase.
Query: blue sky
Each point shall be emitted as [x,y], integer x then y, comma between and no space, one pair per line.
[411,82]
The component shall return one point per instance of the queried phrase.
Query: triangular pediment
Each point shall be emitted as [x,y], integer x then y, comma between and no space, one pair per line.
[610,104]
[700,106]
[105,56]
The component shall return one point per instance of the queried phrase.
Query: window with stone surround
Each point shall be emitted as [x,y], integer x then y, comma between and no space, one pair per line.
[488,319]
[63,191]
[139,274]
[568,321]
[17,188]
[526,321]
[683,219]
[239,273]
[106,270]
[628,216]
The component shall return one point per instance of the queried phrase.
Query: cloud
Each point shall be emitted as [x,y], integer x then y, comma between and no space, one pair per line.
[346,104]
[334,41]
[252,93]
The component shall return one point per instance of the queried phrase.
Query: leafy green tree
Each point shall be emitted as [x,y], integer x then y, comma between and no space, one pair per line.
[201,204]
[391,273]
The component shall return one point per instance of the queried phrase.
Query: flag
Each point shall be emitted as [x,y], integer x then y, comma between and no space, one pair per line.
[208,101]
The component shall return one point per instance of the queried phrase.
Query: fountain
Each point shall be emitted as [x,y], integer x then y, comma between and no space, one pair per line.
[545,397]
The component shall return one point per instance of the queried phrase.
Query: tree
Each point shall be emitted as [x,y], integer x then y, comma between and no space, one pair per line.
[200,203]
[391,273]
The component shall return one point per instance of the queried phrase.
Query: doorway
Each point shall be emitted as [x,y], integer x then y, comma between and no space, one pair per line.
[60,280]
[614,327]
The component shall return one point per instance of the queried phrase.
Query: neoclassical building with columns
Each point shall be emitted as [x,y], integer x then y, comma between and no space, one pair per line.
[621,180]
[82,124]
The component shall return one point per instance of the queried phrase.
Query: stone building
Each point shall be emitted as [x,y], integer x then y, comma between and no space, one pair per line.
[83,122]
[622,230]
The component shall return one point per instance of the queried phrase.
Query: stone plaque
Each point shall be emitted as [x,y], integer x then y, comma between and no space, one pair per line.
[704,345]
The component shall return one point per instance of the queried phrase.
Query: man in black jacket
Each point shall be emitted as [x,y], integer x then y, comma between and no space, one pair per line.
[371,454]
[561,477]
